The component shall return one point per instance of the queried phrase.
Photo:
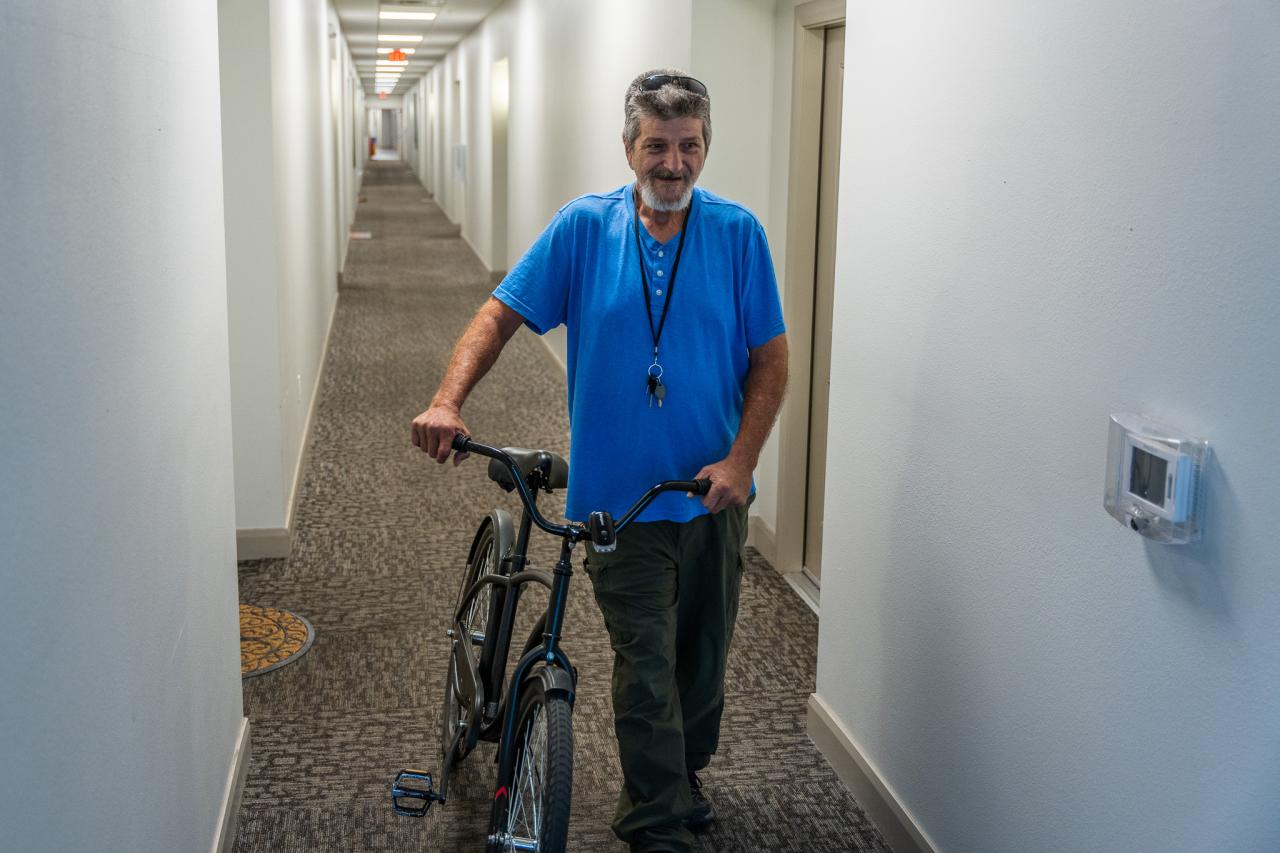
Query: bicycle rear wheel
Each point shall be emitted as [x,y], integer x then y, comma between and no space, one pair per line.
[475,622]
[535,814]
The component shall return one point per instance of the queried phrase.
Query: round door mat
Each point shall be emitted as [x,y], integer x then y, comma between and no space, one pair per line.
[271,638]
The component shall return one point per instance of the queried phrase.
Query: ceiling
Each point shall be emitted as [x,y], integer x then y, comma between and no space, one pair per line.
[361,24]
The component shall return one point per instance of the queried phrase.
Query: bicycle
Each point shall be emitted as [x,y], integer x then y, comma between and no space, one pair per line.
[532,723]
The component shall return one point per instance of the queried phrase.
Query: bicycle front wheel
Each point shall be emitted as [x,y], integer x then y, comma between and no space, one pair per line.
[535,816]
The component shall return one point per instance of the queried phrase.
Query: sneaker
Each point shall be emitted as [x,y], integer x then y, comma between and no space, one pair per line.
[703,813]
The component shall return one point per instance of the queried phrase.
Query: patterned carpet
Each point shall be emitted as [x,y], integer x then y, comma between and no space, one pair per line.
[381,537]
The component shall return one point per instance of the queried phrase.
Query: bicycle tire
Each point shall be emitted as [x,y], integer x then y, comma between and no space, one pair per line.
[476,618]
[537,807]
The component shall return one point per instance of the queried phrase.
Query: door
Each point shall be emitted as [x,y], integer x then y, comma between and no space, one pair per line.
[390,132]
[458,153]
[823,298]
[500,98]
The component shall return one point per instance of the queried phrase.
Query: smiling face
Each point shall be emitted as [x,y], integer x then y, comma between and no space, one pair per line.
[667,157]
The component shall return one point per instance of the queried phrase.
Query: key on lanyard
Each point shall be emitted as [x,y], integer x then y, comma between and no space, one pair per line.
[657,391]
[654,385]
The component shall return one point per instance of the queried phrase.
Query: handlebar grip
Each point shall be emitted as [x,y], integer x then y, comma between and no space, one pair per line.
[695,487]
[460,442]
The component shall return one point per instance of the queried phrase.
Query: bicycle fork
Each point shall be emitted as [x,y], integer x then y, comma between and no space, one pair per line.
[558,676]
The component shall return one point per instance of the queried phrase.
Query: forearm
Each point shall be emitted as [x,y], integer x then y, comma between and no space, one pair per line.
[765,387]
[434,430]
[476,352]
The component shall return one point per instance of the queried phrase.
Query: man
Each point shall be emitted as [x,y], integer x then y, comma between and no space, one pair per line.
[677,363]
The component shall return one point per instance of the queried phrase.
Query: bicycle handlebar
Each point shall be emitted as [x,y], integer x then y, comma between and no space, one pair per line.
[465,444]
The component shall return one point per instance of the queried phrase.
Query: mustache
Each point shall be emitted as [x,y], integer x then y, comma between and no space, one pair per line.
[667,174]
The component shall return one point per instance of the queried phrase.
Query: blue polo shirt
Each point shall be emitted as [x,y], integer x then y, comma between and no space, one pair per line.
[584,272]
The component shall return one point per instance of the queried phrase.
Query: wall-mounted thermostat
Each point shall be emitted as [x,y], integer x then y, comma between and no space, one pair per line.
[1153,479]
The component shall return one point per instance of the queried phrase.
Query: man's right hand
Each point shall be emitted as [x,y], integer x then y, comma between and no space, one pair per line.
[434,429]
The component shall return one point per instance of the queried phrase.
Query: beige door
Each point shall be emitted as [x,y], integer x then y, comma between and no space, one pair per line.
[823,297]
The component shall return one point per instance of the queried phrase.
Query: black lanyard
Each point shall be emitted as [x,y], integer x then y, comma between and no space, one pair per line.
[671,282]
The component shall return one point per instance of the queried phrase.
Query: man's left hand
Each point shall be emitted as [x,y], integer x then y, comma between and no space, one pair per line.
[730,485]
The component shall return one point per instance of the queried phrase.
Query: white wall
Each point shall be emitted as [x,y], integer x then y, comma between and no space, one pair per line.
[253,262]
[303,152]
[1052,212]
[732,43]
[290,193]
[731,52]
[120,708]
[346,102]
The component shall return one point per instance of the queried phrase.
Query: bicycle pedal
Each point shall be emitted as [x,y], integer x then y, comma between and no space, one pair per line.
[413,785]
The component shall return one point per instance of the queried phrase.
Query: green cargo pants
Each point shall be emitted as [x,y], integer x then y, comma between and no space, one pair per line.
[669,595]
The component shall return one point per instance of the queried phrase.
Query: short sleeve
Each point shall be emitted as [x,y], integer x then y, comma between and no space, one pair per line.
[762,309]
[537,287]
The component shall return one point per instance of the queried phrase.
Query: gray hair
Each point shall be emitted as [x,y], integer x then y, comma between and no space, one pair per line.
[670,101]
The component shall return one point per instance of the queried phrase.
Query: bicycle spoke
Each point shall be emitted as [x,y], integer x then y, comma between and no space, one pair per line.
[538,766]
[473,621]
[525,817]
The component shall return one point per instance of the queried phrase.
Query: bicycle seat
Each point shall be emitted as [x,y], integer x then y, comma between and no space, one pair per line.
[529,461]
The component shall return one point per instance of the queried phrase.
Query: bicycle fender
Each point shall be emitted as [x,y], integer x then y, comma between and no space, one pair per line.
[555,680]
[504,535]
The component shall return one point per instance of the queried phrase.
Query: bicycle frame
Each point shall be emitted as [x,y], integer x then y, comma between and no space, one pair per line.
[484,678]
[507,582]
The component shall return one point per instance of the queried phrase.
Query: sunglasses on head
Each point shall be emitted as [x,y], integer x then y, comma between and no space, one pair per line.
[655,82]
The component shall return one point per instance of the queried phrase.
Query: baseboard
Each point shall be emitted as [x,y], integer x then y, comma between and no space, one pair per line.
[808,591]
[262,543]
[471,245]
[304,451]
[225,839]
[270,542]
[760,536]
[864,781]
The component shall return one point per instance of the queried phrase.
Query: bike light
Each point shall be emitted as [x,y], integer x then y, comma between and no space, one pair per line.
[603,537]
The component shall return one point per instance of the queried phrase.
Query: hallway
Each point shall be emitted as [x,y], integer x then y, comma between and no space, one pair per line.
[381,538]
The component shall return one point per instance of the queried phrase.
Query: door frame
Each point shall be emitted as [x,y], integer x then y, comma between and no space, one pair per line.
[811,21]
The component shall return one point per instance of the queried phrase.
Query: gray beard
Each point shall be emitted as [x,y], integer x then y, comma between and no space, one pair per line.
[651,200]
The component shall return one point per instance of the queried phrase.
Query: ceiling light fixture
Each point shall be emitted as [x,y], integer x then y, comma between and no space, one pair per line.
[403,38]
[407,16]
